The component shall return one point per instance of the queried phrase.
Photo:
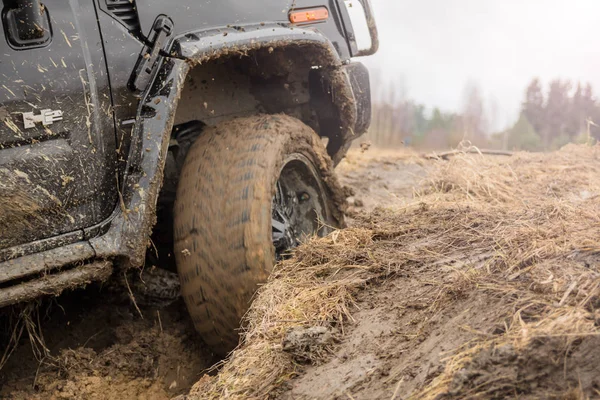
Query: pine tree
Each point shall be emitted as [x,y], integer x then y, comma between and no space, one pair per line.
[576,118]
[522,136]
[556,113]
[533,106]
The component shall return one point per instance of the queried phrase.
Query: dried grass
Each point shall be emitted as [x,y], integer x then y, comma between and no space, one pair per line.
[524,229]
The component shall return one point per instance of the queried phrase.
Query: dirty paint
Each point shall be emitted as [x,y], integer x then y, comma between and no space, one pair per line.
[70,164]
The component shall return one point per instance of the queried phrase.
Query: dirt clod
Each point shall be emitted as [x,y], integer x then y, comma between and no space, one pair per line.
[304,343]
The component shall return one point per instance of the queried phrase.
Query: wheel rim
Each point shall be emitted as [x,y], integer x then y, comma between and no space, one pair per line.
[299,209]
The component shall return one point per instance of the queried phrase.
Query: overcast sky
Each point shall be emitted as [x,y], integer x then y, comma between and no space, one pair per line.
[434,47]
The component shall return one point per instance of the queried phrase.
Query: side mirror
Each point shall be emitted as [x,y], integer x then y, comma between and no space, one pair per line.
[361,27]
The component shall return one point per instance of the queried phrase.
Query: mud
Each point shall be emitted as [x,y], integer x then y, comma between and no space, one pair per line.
[21,204]
[397,343]
[308,343]
[381,178]
[534,373]
[98,346]
[473,278]
[472,339]
[93,345]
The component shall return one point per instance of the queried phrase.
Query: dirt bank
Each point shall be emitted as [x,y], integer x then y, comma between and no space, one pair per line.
[486,285]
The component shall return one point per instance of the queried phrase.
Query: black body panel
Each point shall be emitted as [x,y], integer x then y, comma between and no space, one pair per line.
[60,177]
[196,16]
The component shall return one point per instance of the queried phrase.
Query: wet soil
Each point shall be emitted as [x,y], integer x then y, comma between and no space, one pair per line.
[99,347]
[381,178]
[396,344]
[485,287]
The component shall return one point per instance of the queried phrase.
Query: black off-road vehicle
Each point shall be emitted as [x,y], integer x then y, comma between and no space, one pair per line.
[215,122]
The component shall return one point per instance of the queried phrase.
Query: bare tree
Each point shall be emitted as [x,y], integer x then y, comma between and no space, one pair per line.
[473,115]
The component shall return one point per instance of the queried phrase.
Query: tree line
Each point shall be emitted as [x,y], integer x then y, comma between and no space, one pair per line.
[398,121]
[548,119]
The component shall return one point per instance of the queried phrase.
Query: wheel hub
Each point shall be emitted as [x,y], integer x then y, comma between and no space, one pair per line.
[297,208]
[282,220]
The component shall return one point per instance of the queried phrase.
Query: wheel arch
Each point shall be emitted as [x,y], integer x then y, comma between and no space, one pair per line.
[272,69]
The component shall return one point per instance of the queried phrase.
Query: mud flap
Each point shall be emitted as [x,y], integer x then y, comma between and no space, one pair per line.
[358,75]
[342,97]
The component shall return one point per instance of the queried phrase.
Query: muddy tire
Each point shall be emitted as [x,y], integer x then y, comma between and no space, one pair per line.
[237,184]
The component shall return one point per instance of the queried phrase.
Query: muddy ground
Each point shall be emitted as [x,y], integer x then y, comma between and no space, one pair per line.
[485,284]
[98,347]
[382,178]
[476,277]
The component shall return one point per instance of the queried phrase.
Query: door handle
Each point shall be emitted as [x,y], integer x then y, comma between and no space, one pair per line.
[27,24]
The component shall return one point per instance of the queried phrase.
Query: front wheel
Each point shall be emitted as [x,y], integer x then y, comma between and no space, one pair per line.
[250,190]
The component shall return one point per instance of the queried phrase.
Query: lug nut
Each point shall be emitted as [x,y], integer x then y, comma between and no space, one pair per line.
[304,197]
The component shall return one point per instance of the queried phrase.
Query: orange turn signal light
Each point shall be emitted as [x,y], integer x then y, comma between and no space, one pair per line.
[312,15]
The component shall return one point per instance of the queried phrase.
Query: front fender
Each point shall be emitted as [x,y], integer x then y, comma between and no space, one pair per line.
[132,223]
[202,46]
[334,96]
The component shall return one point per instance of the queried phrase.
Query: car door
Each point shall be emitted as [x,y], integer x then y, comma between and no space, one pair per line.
[57,138]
